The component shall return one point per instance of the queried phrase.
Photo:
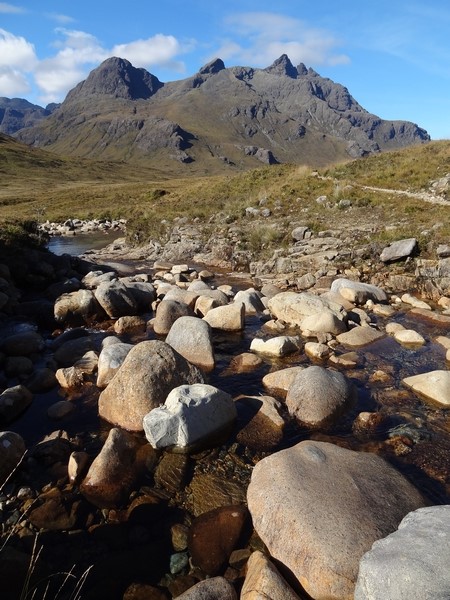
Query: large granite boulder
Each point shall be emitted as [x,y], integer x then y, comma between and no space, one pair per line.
[399,250]
[116,299]
[227,318]
[292,308]
[192,338]
[434,385]
[167,313]
[361,291]
[77,307]
[264,581]
[317,396]
[109,361]
[319,508]
[191,413]
[149,372]
[412,562]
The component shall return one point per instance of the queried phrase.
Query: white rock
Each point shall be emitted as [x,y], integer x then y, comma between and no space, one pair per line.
[227,318]
[189,414]
[109,361]
[409,337]
[325,321]
[415,302]
[191,337]
[434,385]
[281,345]
[252,301]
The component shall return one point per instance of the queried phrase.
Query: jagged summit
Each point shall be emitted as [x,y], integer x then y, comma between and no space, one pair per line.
[118,78]
[282,66]
[218,119]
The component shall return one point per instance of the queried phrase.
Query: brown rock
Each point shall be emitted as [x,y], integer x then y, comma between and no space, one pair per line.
[56,513]
[167,313]
[208,491]
[264,581]
[171,472]
[260,422]
[214,535]
[216,588]
[280,381]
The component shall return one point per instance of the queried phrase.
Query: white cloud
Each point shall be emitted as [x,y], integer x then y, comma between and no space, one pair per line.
[157,50]
[264,36]
[13,83]
[11,9]
[59,18]
[16,52]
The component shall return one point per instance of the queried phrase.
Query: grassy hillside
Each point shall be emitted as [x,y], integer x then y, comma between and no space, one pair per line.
[36,183]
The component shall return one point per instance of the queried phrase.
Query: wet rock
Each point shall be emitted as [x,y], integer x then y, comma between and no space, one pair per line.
[322,547]
[215,588]
[69,377]
[243,363]
[167,313]
[56,513]
[12,449]
[109,361]
[18,366]
[410,562]
[53,448]
[13,401]
[179,535]
[115,299]
[317,351]
[263,580]
[60,410]
[367,424]
[72,350]
[207,491]
[409,337]
[434,385]
[348,360]
[260,422]
[191,337]
[77,466]
[77,307]
[190,414]
[171,472]
[227,318]
[114,471]
[280,381]
[279,346]
[147,375]
[415,302]
[399,250]
[359,336]
[360,292]
[214,535]
[292,308]
[42,380]
[317,396]
[23,344]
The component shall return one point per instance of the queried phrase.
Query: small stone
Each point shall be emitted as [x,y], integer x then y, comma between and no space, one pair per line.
[60,409]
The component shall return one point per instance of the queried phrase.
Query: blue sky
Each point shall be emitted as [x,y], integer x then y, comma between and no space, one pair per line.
[393,56]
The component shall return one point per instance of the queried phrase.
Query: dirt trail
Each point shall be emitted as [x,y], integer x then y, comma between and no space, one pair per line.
[425,196]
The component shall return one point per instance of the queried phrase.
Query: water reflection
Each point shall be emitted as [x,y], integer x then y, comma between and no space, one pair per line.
[80,243]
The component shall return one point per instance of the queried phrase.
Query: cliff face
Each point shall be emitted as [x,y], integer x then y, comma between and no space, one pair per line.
[17,113]
[210,120]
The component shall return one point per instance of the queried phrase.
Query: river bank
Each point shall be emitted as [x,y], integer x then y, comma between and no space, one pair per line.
[80,337]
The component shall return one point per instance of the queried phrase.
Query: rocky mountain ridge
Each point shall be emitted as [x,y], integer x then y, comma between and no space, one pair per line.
[17,113]
[217,119]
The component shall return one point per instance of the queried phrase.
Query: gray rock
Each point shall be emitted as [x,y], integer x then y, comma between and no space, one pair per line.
[264,581]
[116,299]
[227,318]
[12,449]
[412,562]
[278,346]
[399,250]
[317,396]
[94,278]
[109,361]
[77,307]
[252,301]
[335,504]
[292,308]
[359,336]
[13,401]
[167,313]
[365,291]
[443,251]
[299,233]
[149,372]
[214,588]
[191,337]
[23,344]
[190,414]
[143,292]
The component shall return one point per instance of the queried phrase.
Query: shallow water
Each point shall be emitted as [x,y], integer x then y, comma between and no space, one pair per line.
[81,242]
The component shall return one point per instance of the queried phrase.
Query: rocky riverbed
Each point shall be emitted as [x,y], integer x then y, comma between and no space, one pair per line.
[176,431]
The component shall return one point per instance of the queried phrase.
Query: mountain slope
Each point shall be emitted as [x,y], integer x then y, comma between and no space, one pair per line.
[17,113]
[218,119]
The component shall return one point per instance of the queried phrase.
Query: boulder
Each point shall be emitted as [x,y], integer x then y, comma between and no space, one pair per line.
[167,313]
[145,378]
[325,321]
[72,350]
[317,396]
[143,293]
[13,401]
[191,337]
[252,301]
[227,318]
[178,295]
[317,350]
[361,291]
[260,423]
[399,250]
[116,299]
[409,337]
[77,307]
[109,361]
[190,414]
[279,346]
[23,344]
[94,278]
[434,385]
[359,336]
[214,535]
[280,381]
[113,473]
[130,324]
[215,588]
[41,380]
[263,580]
[411,562]
[292,308]
[12,449]
[335,504]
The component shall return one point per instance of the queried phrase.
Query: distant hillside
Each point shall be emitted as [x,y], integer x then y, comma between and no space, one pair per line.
[218,120]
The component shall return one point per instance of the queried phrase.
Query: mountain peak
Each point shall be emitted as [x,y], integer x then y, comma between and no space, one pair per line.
[283,66]
[118,78]
[213,67]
